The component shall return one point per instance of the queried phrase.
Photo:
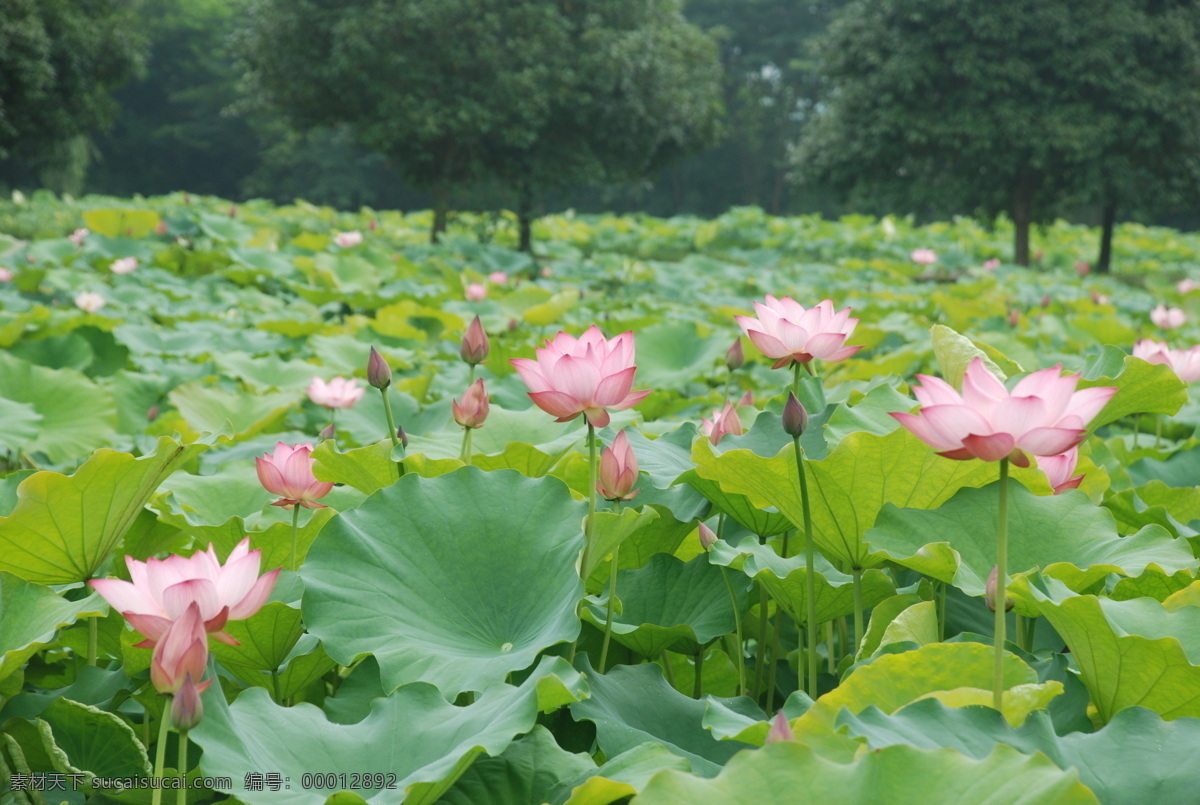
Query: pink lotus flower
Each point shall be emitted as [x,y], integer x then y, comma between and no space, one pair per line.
[787,332]
[991,265]
[747,399]
[1184,362]
[1083,267]
[476,292]
[348,239]
[498,278]
[1168,318]
[337,393]
[1058,470]
[1100,299]
[89,301]
[707,536]
[187,709]
[924,257]
[725,421]
[163,589]
[1044,415]
[780,729]
[585,376]
[6,274]
[124,265]
[475,344]
[472,410]
[1188,285]
[289,474]
[618,470]
[181,654]
[77,237]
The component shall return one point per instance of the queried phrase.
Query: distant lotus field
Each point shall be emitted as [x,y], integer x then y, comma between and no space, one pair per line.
[296,507]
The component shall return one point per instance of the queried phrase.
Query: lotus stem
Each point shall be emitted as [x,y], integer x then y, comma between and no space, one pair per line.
[1001,587]
[387,410]
[295,535]
[775,644]
[856,574]
[698,686]
[181,797]
[666,661]
[1157,431]
[612,601]
[93,640]
[761,648]
[737,627]
[810,581]
[160,752]
[830,664]
[465,454]
[589,526]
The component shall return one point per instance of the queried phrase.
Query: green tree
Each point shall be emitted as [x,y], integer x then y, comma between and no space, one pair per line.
[951,105]
[536,93]
[59,63]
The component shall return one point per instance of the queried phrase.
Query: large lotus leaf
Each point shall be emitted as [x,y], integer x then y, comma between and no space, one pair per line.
[849,487]
[64,527]
[896,775]
[650,536]
[871,413]
[414,734]
[1141,387]
[367,469]
[755,520]
[882,616]
[1151,584]
[264,639]
[665,459]
[892,681]
[954,353]
[1178,470]
[304,664]
[610,529]
[671,353]
[114,222]
[207,408]
[30,616]
[77,416]
[669,604]
[620,777]
[1064,535]
[529,771]
[1130,653]
[87,739]
[21,425]
[742,720]
[1137,758]
[633,704]
[455,580]
[785,580]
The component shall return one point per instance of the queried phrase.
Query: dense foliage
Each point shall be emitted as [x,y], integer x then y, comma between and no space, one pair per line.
[438,629]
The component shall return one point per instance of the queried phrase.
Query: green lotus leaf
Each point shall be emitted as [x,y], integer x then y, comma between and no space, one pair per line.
[77,416]
[414,734]
[206,409]
[455,580]
[620,777]
[367,469]
[1064,535]
[64,527]
[849,487]
[530,770]
[1142,388]
[1130,653]
[1136,758]
[670,604]
[901,775]
[755,520]
[30,616]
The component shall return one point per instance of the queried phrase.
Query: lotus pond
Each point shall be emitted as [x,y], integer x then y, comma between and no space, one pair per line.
[569,536]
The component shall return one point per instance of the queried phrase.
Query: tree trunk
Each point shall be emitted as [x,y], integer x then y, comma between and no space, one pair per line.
[1104,262]
[525,218]
[1022,211]
[441,204]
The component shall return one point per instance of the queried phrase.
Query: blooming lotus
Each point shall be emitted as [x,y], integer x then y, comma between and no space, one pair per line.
[1188,285]
[78,236]
[992,264]
[124,265]
[6,274]
[618,470]
[289,473]
[161,590]
[787,332]
[181,654]
[924,257]
[498,278]
[725,421]
[1058,470]
[1184,362]
[89,301]
[1168,318]
[586,375]
[476,292]
[348,239]
[1044,415]
[337,393]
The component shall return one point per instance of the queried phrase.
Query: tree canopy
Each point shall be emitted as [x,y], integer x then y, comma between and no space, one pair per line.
[996,107]
[534,93]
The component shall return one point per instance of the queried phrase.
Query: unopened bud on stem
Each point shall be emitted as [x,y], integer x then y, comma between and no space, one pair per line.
[708,537]
[991,594]
[379,374]
[795,418]
[475,345]
[734,356]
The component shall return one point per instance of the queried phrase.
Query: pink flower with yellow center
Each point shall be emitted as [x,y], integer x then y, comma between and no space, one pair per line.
[789,334]
[289,473]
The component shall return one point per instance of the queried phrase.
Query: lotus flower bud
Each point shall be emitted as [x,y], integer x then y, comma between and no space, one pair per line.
[723,422]
[618,470]
[379,374]
[735,356]
[780,729]
[152,413]
[1046,300]
[472,410]
[708,537]
[747,399]
[475,344]
[328,432]
[233,211]
[990,596]
[1014,317]
[402,436]
[795,418]
[186,708]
